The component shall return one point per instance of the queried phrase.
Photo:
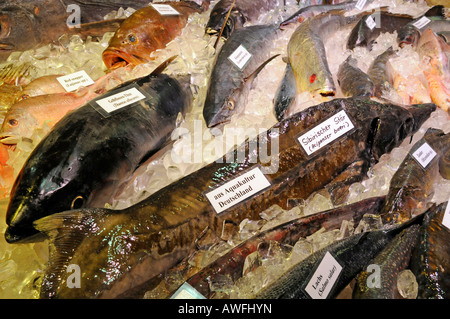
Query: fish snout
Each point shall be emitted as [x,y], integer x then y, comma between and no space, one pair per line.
[114,59]
[6,47]
[22,235]
[9,139]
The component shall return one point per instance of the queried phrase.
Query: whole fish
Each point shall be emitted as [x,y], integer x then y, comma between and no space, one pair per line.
[352,254]
[146,31]
[393,259]
[434,52]
[307,54]
[381,73]
[27,24]
[242,11]
[410,34]
[231,264]
[363,35]
[229,82]
[412,186]
[122,250]
[87,154]
[430,260]
[352,80]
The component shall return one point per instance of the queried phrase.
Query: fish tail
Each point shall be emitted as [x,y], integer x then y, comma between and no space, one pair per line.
[66,231]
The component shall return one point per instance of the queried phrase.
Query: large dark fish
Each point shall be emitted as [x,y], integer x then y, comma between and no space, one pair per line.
[231,264]
[362,35]
[412,186]
[352,80]
[393,259]
[242,11]
[352,254]
[229,83]
[87,154]
[430,261]
[146,31]
[26,24]
[119,250]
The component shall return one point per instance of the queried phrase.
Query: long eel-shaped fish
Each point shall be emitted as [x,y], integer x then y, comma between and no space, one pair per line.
[89,153]
[119,250]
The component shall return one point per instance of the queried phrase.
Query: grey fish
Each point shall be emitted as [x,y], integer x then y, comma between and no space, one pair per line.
[122,250]
[231,264]
[285,94]
[380,72]
[430,261]
[86,156]
[352,254]
[409,34]
[391,261]
[353,81]
[242,11]
[412,186]
[229,84]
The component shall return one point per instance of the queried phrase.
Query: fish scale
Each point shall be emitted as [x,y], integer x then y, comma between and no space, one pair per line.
[153,219]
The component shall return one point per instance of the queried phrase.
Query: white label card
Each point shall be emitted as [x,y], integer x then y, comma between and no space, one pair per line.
[240,57]
[360,4]
[237,189]
[165,9]
[326,132]
[120,100]
[324,278]
[424,155]
[419,24]
[72,82]
[186,291]
[446,219]
[370,22]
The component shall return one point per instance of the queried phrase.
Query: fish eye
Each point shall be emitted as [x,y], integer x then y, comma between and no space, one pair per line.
[77,202]
[13,122]
[230,104]
[23,97]
[132,38]
[312,78]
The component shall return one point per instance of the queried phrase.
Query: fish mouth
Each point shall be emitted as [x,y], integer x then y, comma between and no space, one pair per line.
[114,59]
[9,140]
[6,47]
[22,235]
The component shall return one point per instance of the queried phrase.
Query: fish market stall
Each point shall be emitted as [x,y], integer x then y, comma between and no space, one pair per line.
[217,153]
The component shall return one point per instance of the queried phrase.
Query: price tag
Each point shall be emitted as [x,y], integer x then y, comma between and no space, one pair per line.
[165,9]
[326,132]
[419,24]
[240,57]
[370,22]
[237,189]
[446,219]
[186,291]
[424,155]
[74,81]
[360,4]
[324,278]
[119,100]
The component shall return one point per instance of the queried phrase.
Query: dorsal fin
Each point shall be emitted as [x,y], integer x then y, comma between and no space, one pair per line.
[163,65]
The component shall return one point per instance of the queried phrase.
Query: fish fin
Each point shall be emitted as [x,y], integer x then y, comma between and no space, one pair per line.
[97,29]
[286,93]
[338,188]
[163,65]
[255,73]
[66,231]
[224,24]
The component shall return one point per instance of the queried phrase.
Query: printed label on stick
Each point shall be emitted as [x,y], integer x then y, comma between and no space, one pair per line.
[324,278]
[446,219]
[424,155]
[120,100]
[360,4]
[72,82]
[370,22]
[240,57]
[238,189]
[419,24]
[165,9]
[186,291]
[326,132]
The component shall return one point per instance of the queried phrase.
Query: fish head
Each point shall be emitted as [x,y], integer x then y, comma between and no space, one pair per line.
[134,41]
[393,123]
[17,125]
[408,35]
[17,30]
[218,20]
